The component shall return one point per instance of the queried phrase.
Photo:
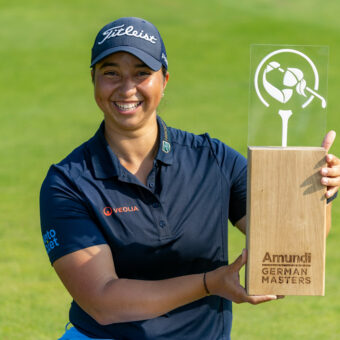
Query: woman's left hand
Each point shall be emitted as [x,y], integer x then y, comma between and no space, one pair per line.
[331,173]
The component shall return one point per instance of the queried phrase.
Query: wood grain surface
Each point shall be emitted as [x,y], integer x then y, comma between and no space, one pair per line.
[286,221]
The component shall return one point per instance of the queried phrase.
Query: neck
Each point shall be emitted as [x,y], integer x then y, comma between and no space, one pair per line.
[135,149]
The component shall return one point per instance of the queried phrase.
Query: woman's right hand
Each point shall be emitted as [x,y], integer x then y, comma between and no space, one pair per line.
[225,282]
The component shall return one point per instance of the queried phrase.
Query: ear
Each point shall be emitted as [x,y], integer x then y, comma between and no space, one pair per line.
[165,81]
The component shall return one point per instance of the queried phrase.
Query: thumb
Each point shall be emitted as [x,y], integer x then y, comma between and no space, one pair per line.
[240,261]
[328,140]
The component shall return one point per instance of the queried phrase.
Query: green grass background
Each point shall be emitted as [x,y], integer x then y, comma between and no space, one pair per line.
[47,109]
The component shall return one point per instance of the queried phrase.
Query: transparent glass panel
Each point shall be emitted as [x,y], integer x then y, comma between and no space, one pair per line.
[288,95]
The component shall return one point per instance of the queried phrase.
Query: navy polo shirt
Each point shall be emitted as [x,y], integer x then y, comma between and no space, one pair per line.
[174,225]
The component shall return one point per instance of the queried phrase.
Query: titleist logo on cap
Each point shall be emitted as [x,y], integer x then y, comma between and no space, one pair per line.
[119,31]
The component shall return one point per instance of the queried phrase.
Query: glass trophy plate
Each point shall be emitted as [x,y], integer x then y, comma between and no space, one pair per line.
[286,205]
[288,95]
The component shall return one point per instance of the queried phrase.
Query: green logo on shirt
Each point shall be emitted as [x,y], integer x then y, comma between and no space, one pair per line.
[166,147]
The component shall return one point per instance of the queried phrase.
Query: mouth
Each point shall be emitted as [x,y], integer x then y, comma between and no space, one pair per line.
[127,107]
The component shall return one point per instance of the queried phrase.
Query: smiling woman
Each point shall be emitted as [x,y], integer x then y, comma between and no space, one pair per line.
[135,219]
[128,92]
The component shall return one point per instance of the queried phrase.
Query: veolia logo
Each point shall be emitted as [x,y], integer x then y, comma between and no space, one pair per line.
[107,211]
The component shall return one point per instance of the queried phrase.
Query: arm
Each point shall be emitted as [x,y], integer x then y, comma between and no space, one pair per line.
[89,276]
[241,224]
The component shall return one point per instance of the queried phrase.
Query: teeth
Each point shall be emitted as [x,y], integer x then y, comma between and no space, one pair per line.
[127,106]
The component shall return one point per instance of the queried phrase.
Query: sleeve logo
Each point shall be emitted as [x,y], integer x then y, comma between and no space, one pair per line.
[50,240]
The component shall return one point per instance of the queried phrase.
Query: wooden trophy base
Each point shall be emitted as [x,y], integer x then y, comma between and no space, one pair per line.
[286,221]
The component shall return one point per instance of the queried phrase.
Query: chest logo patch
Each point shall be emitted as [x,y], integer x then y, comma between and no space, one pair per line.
[107,211]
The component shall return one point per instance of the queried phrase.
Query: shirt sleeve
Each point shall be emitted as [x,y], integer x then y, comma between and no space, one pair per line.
[234,168]
[66,224]
[238,192]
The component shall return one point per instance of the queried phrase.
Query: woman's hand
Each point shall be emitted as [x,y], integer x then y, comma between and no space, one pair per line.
[225,282]
[331,173]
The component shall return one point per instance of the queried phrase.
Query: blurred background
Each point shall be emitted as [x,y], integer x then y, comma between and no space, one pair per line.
[47,109]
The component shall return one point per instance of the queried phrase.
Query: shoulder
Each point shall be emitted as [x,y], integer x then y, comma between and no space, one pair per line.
[65,172]
[77,162]
[187,139]
[218,149]
[199,150]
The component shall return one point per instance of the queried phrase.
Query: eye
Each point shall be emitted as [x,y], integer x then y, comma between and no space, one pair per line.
[144,73]
[111,73]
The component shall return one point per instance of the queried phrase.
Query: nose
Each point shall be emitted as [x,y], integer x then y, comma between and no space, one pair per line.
[127,87]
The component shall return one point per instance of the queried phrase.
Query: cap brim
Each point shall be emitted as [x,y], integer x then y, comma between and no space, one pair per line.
[151,62]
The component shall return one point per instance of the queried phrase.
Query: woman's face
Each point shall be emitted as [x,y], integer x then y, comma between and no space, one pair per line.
[127,91]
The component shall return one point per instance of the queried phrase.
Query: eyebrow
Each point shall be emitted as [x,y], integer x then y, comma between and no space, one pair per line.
[107,64]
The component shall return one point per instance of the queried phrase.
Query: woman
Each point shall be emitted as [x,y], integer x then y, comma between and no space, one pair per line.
[135,219]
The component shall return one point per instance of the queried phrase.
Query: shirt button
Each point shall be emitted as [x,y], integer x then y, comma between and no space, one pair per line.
[162,224]
[156,205]
[151,185]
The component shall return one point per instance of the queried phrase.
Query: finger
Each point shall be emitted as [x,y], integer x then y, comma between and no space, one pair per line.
[256,299]
[331,172]
[240,261]
[330,182]
[328,140]
[332,160]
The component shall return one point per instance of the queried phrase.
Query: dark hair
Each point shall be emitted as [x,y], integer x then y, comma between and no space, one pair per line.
[164,71]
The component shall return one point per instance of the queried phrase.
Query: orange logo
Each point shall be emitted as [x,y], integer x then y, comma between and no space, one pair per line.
[107,211]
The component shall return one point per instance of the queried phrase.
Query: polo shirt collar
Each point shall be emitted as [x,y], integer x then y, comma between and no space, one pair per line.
[106,164]
[165,150]
[104,161]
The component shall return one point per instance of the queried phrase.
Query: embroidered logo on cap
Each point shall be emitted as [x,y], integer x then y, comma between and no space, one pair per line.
[119,31]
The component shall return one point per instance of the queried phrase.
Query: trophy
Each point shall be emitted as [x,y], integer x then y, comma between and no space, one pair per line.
[286,205]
